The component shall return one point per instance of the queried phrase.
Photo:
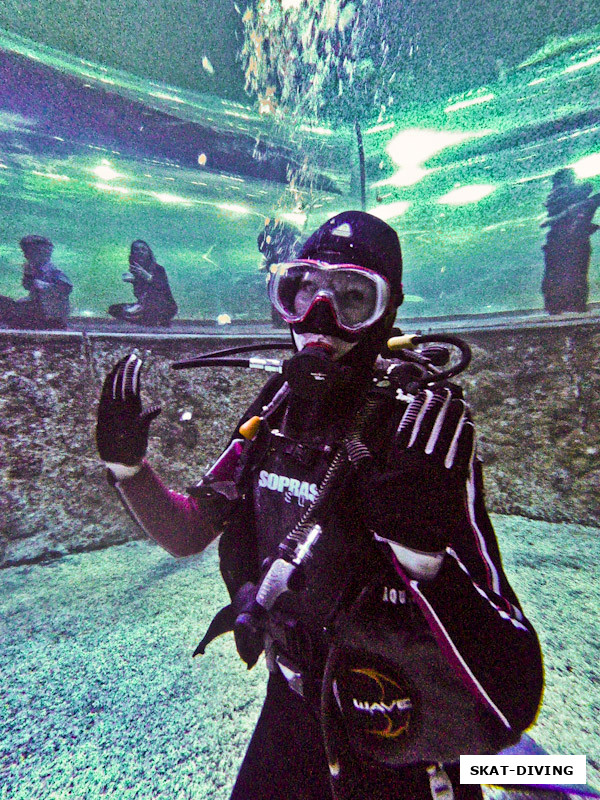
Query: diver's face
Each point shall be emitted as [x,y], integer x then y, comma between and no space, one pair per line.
[346,293]
[333,345]
[319,329]
[320,296]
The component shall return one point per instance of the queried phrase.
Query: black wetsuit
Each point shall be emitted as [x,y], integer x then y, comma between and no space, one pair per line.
[468,611]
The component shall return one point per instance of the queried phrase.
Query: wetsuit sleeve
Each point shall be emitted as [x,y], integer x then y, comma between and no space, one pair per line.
[476,617]
[185,524]
[182,524]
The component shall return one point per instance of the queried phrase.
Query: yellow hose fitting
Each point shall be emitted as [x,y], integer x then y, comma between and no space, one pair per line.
[404,342]
[250,428]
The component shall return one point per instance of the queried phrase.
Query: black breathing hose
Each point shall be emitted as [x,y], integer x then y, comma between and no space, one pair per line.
[223,358]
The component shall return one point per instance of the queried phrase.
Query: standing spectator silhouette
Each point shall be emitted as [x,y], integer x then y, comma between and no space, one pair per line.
[154,302]
[571,207]
[47,304]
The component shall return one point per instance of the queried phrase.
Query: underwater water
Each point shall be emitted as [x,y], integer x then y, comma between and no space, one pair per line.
[100,696]
[94,158]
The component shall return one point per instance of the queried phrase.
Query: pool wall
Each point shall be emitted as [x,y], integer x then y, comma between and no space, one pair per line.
[534,393]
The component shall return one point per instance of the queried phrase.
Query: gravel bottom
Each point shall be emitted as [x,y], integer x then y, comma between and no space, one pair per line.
[100,697]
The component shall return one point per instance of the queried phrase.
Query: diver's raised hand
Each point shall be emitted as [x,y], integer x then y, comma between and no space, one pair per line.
[437,429]
[419,500]
[122,425]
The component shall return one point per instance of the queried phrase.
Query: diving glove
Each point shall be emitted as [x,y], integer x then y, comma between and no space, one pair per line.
[420,500]
[122,425]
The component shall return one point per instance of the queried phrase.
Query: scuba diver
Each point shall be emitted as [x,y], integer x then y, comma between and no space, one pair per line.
[47,305]
[567,251]
[356,546]
[155,304]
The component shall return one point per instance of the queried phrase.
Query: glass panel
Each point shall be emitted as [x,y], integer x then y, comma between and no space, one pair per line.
[222,136]
[94,158]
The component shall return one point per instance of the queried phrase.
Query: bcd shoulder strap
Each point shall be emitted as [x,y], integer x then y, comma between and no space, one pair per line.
[238,559]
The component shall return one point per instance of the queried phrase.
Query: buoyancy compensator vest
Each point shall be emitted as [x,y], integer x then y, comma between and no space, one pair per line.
[238,547]
[388,694]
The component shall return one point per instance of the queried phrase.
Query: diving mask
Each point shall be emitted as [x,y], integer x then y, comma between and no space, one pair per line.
[357,296]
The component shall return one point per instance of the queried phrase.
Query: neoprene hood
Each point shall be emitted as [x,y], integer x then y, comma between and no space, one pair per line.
[355,237]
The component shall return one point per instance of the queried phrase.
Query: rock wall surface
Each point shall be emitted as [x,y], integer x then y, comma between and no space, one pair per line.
[534,395]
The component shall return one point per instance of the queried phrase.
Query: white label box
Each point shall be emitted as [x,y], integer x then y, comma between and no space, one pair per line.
[539,770]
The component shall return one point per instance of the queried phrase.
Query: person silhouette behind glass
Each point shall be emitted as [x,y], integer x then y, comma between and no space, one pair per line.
[154,304]
[571,207]
[47,304]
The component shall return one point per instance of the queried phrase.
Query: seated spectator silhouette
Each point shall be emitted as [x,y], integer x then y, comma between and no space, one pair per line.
[47,304]
[154,302]
[571,207]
